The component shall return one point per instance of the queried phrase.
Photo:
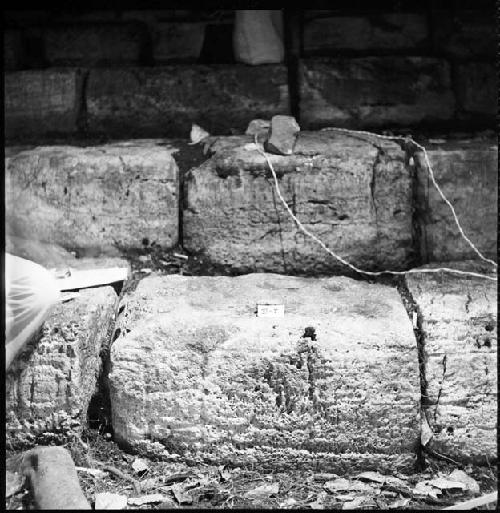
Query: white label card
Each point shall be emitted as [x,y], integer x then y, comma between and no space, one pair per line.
[270,310]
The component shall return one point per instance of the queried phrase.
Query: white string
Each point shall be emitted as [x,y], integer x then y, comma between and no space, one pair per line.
[338,257]
[431,174]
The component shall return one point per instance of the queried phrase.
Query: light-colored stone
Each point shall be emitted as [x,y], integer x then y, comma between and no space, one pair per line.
[354,194]
[467,173]
[52,479]
[50,384]
[374,91]
[196,373]
[390,31]
[165,101]
[42,102]
[94,44]
[459,326]
[94,197]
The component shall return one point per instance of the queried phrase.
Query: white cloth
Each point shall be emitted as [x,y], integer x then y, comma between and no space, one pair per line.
[258,36]
[30,293]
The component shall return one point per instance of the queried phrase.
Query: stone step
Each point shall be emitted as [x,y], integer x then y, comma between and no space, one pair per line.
[354,194]
[459,327]
[375,91]
[122,195]
[50,385]
[467,172]
[331,384]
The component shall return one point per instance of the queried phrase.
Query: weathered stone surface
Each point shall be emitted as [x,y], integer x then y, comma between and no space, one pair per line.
[283,134]
[466,34]
[42,102]
[13,54]
[117,194]
[478,90]
[49,386]
[374,91]
[459,324]
[52,479]
[165,101]
[196,373]
[95,44]
[389,31]
[466,170]
[177,41]
[354,194]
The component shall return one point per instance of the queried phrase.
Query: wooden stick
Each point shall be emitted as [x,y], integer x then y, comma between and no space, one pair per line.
[474,503]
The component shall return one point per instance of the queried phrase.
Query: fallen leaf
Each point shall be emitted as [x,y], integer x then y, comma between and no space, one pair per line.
[95,472]
[426,433]
[13,483]
[338,485]
[355,504]
[446,484]
[325,477]
[263,492]
[422,489]
[224,474]
[460,476]
[197,134]
[319,502]
[146,499]
[177,478]
[288,503]
[401,503]
[372,476]
[139,465]
[149,483]
[110,501]
[342,484]
[180,495]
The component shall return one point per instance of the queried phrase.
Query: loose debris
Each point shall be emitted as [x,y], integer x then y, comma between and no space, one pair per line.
[197,134]
[488,499]
[110,501]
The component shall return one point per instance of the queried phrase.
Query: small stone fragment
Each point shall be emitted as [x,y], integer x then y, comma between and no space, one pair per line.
[146,499]
[461,477]
[110,501]
[263,492]
[284,131]
[52,478]
[139,465]
[260,128]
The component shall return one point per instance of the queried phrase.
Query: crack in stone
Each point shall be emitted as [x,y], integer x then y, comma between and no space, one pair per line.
[443,363]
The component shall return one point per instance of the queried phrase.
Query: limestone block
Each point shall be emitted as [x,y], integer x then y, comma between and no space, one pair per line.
[389,31]
[49,386]
[459,325]
[41,102]
[374,91]
[333,383]
[467,172]
[177,41]
[165,101]
[354,194]
[94,44]
[478,89]
[111,195]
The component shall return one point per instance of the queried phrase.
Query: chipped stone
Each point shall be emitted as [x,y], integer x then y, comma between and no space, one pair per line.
[283,134]
[216,383]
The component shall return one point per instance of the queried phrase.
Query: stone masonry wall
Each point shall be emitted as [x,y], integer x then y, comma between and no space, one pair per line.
[134,73]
